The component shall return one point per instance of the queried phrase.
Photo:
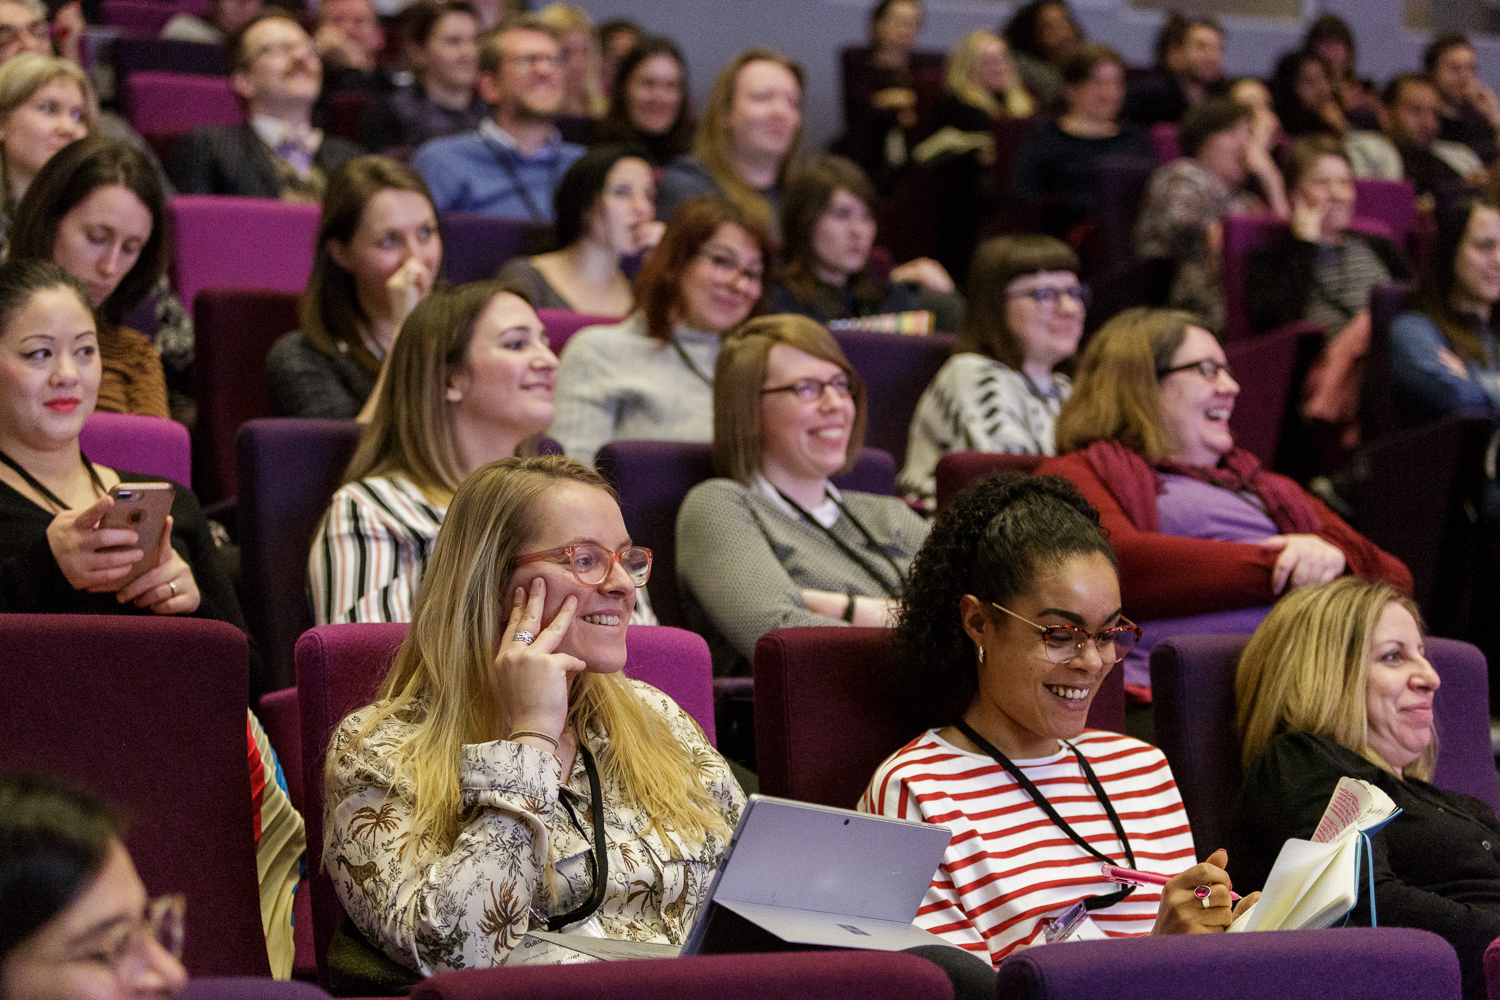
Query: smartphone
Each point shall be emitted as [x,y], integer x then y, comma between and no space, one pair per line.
[142,508]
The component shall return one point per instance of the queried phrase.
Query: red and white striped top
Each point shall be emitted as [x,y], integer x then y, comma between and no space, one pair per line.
[1009,867]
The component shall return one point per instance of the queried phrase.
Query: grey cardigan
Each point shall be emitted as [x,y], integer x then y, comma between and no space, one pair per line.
[743,562]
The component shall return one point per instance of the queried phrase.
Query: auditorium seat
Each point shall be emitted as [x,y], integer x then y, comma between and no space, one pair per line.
[821,974]
[1269,369]
[162,55]
[289,470]
[959,469]
[1392,202]
[561,324]
[1192,687]
[896,370]
[148,713]
[652,477]
[345,112]
[235,328]
[340,667]
[1165,141]
[163,103]
[828,711]
[135,443]
[247,988]
[148,17]
[1379,415]
[1383,963]
[476,246]
[231,242]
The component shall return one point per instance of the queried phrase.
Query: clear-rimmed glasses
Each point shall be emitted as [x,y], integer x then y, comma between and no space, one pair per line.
[591,563]
[1064,642]
[729,268]
[125,950]
[810,390]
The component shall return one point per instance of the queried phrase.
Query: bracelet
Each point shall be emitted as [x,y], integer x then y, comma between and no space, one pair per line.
[528,732]
[849,609]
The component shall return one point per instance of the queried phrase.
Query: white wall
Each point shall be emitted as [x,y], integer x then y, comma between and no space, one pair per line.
[711,32]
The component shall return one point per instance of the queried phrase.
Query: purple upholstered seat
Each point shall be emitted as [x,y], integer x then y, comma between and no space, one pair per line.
[339,668]
[147,16]
[289,470]
[235,328]
[1392,202]
[896,371]
[1386,963]
[162,55]
[1268,369]
[1192,685]
[826,975]
[138,443]
[246,988]
[652,477]
[161,102]
[959,469]
[148,713]
[1164,140]
[476,246]
[561,324]
[827,711]
[227,242]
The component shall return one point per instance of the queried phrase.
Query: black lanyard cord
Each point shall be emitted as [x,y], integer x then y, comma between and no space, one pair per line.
[1094,902]
[599,859]
[31,480]
[502,157]
[849,550]
[687,360]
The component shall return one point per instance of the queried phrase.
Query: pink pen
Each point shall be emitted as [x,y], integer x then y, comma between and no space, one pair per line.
[1129,876]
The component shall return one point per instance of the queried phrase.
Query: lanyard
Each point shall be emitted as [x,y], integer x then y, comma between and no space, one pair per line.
[683,354]
[847,549]
[599,859]
[32,481]
[1093,902]
[502,157]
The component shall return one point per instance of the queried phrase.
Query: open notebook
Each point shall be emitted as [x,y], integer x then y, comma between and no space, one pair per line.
[803,876]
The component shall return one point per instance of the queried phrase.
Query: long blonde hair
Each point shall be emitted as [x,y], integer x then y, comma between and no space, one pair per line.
[1016,102]
[1307,666]
[441,678]
[566,18]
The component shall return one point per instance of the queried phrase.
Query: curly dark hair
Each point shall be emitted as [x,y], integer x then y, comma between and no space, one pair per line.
[990,542]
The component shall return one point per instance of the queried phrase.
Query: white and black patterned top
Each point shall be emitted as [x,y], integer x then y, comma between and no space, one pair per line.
[975,403]
[523,846]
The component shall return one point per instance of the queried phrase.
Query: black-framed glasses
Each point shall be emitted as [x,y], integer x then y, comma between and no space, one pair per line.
[1064,642]
[730,268]
[591,563]
[1051,298]
[810,390]
[1207,368]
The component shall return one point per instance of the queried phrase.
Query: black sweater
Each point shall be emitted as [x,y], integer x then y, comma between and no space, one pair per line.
[1435,864]
[1279,277]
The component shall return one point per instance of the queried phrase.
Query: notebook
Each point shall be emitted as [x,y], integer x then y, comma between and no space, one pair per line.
[799,876]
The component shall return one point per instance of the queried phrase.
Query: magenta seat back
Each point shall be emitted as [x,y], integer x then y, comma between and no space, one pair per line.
[1392,202]
[148,713]
[1243,235]
[825,975]
[137,443]
[828,710]
[1267,368]
[1384,963]
[476,246]
[561,324]
[148,17]
[225,242]
[652,477]
[180,102]
[1192,688]
[339,668]
[896,371]
[1164,141]
[959,469]
[248,988]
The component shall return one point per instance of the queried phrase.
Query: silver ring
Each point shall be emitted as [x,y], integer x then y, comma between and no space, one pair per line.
[173,585]
[524,638]
[1203,892]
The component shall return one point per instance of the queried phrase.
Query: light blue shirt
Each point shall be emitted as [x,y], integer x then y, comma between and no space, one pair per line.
[484,172]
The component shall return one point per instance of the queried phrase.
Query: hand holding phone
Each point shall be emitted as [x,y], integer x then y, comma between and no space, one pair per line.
[142,508]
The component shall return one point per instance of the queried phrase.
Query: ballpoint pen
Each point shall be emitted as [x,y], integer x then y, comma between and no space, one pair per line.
[1129,876]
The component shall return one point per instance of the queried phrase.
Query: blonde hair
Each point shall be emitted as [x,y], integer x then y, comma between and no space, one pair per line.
[441,678]
[739,442]
[22,76]
[411,431]
[711,144]
[1117,392]
[566,18]
[1018,103]
[1307,667]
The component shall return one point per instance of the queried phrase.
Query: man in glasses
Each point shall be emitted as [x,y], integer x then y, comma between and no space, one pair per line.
[511,166]
[277,153]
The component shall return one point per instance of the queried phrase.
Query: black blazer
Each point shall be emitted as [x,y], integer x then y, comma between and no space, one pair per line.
[221,159]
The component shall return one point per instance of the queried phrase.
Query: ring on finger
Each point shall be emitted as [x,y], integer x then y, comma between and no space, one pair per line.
[1203,892]
[173,585]
[524,637]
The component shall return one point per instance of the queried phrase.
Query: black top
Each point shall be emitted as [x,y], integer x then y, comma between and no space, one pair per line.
[1279,276]
[1427,173]
[232,160]
[305,382]
[1471,128]
[955,112]
[1435,864]
[406,117]
[1063,168]
[1160,98]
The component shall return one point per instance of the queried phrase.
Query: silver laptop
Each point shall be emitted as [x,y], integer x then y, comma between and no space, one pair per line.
[800,875]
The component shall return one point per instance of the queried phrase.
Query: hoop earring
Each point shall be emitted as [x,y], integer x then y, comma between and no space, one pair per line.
[981,654]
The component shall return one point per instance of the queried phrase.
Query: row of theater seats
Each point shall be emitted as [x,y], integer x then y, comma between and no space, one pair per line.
[176,766]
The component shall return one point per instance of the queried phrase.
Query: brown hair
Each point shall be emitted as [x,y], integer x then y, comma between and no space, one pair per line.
[740,375]
[330,312]
[489,41]
[1116,396]
[805,200]
[411,431]
[1081,62]
[1305,154]
[236,57]
[711,144]
[997,262]
[658,286]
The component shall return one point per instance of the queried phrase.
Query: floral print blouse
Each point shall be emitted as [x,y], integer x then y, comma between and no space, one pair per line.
[521,855]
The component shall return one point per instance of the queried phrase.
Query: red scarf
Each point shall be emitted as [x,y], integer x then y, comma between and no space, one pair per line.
[1135,486]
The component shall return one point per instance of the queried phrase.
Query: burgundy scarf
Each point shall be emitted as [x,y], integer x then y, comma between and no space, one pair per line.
[1135,485]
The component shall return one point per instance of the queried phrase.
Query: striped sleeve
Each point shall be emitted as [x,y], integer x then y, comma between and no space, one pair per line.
[370,552]
[1009,867]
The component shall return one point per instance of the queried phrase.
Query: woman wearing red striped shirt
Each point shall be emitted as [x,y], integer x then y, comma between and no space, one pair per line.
[1012,615]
